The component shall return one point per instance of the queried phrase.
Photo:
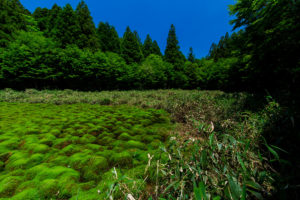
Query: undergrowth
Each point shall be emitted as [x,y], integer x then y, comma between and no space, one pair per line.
[217,150]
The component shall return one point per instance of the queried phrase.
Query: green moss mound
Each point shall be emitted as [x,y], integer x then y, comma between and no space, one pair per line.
[68,151]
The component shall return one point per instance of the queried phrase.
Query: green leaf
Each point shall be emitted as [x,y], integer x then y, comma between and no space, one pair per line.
[200,191]
[241,162]
[235,189]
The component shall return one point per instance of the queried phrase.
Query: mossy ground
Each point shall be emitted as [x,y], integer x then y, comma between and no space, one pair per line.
[67,151]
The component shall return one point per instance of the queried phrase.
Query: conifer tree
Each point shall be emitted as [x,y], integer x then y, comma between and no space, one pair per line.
[138,38]
[155,48]
[172,53]
[108,38]
[130,47]
[87,37]
[41,15]
[53,20]
[191,56]
[68,28]
[148,46]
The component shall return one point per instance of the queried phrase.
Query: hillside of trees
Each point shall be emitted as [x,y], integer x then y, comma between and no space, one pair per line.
[61,48]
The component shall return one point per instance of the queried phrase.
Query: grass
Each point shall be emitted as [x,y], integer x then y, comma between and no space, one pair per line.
[216,150]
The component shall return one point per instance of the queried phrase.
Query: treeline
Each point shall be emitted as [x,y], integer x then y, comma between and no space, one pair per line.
[62,48]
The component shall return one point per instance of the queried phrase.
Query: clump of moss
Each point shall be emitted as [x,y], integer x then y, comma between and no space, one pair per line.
[9,185]
[47,139]
[132,144]
[123,159]
[49,188]
[28,194]
[125,137]
[79,160]
[70,149]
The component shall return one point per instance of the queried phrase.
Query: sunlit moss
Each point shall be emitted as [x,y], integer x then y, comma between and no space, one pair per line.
[9,185]
[68,151]
[28,194]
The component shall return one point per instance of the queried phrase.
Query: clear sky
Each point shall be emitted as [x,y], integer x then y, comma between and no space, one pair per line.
[198,23]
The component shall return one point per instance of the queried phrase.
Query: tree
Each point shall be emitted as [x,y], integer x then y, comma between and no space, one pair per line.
[29,61]
[130,48]
[172,53]
[150,47]
[147,46]
[87,37]
[155,73]
[12,19]
[67,27]
[272,32]
[108,38]
[54,13]
[41,15]
[191,56]
[155,48]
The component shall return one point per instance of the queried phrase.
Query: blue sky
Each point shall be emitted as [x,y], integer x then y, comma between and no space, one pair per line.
[198,22]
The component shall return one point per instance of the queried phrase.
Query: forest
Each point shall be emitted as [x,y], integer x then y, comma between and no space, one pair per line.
[59,56]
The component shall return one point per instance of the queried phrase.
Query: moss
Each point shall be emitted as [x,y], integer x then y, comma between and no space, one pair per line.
[67,187]
[106,153]
[39,148]
[56,172]
[106,141]
[49,188]
[95,147]
[10,144]
[122,159]
[134,144]
[70,149]
[9,185]
[79,160]
[155,144]
[87,185]
[125,137]
[61,143]
[2,165]
[87,139]
[36,159]
[32,172]
[28,194]
[95,166]
[18,160]
[148,139]
[48,139]
[60,160]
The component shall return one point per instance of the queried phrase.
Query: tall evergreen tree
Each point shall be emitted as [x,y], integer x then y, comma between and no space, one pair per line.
[138,38]
[108,38]
[155,48]
[87,37]
[68,28]
[130,47]
[172,53]
[148,46]
[53,20]
[191,56]
[41,15]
